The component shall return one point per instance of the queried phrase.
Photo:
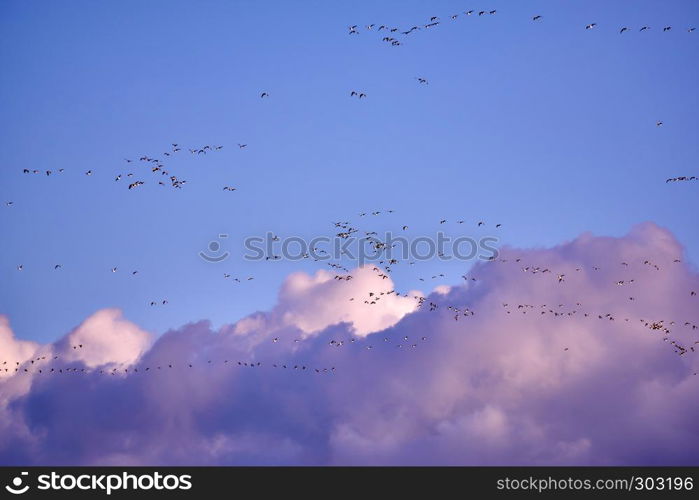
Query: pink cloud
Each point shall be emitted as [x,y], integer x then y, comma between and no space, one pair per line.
[313,303]
[516,367]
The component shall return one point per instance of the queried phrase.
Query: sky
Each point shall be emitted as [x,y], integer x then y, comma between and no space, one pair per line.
[545,127]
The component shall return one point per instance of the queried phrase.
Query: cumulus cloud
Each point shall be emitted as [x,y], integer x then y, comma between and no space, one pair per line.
[104,338]
[12,348]
[312,303]
[543,358]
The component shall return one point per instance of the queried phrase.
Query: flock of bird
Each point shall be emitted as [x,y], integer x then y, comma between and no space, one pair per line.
[390,32]
[386,263]
[664,327]
[627,283]
[682,178]
[54,365]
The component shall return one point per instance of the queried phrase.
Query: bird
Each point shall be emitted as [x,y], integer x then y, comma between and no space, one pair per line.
[667,28]
[57,266]
[421,80]
[623,29]
[590,26]
[114,269]
[644,28]
[9,203]
[658,124]
[89,172]
[536,18]
[229,188]
[263,95]
[20,267]
[689,30]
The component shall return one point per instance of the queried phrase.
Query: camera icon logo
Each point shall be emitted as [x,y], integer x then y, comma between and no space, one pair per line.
[16,487]
[214,247]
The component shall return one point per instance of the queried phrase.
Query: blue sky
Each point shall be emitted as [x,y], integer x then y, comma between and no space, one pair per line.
[545,127]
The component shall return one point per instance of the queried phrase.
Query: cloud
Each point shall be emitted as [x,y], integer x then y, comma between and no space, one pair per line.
[313,303]
[106,338]
[542,359]
[13,349]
